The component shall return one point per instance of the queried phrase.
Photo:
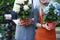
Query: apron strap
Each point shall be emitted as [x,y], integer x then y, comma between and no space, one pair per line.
[40,15]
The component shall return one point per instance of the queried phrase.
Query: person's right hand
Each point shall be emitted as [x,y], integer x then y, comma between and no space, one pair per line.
[29,22]
[22,22]
[46,26]
[26,22]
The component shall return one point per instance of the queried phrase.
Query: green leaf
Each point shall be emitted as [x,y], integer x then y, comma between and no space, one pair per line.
[23,17]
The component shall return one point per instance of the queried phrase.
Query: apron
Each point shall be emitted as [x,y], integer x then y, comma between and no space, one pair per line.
[44,34]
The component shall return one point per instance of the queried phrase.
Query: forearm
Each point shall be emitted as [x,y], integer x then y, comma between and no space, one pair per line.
[38,25]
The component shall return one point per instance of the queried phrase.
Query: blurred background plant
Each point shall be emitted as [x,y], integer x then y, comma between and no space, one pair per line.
[3,3]
[57,1]
[59,14]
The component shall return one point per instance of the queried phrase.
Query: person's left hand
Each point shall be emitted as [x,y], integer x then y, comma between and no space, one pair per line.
[55,22]
[46,26]
[28,22]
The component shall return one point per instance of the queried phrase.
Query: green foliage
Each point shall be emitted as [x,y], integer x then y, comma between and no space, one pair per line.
[51,16]
[24,13]
[2,30]
[57,1]
[3,3]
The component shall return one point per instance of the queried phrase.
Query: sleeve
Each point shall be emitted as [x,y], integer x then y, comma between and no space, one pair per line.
[35,16]
[36,4]
[35,11]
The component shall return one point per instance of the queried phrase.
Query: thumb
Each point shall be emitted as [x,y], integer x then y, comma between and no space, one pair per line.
[48,28]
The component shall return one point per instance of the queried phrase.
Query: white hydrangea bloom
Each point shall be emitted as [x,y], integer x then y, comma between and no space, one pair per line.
[25,7]
[30,2]
[19,1]
[16,8]
[25,0]
[22,2]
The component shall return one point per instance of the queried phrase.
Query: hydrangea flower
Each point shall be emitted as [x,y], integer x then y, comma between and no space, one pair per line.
[52,11]
[58,6]
[46,10]
[55,4]
[56,12]
[25,7]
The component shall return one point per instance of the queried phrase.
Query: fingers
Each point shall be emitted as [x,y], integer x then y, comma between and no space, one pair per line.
[26,22]
[22,22]
[38,25]
[46,26]
[29,22]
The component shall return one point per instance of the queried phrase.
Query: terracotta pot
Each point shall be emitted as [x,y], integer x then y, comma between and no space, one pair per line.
[51,25]
[24,21]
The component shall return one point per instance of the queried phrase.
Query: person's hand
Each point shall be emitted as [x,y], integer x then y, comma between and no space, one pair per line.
[55,22]
[46,26]
[38,25]
[29,22]
[43,25]
[22,23]
[26,22]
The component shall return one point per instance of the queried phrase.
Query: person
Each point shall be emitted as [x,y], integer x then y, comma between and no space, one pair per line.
[26,31]
[43,31]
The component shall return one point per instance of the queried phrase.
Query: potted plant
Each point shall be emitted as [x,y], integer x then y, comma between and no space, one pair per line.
[51,17]
[25,9]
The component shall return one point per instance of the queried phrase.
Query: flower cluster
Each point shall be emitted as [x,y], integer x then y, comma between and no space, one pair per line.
[25,8]
[52,13]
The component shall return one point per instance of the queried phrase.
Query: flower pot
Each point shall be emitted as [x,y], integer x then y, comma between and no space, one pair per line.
[51,25]
[24,20]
